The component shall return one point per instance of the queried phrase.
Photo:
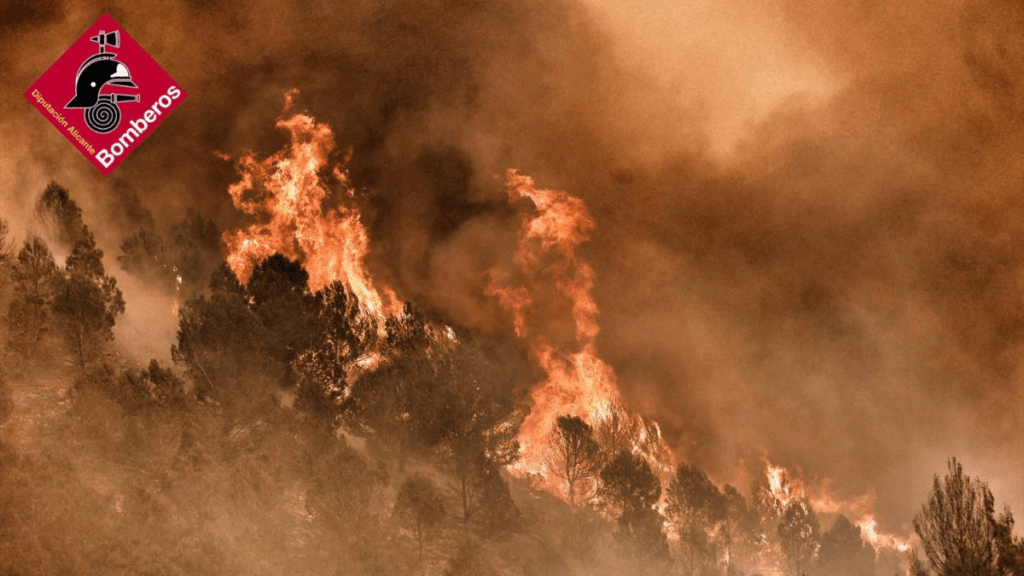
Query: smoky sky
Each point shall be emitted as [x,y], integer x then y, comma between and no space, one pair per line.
[809,216]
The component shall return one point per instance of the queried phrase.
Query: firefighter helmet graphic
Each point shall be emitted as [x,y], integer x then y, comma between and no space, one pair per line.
[97,72]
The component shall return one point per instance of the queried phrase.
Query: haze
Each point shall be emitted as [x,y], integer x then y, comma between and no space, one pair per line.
[809,216]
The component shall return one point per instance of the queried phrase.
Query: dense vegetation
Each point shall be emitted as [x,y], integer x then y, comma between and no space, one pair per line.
[293,434]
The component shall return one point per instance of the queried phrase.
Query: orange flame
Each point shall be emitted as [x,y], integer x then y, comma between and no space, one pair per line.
[287,194]
[578,382]
[869,532]
[785,488]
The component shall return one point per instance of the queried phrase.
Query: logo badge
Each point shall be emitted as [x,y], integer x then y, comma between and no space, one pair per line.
[105,94]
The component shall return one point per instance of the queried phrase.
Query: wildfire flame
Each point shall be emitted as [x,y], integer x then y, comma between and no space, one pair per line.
[784,488]
[869,531]
[578,382]
[288,197]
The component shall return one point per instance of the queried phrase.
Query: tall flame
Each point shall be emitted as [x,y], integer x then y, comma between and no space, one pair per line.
[578,382]
[288,197]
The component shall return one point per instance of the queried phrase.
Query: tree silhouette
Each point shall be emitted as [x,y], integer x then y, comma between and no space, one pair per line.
[469,560]
[341,486]
[87,301]
[7,245]
[476,405]
[696,506]
[180,260]
[628,483]
[6,399]
[279,295]
[221,345]
[419,506]
[956,526]
[499,514]
[394,402]
[640,531]
[56,208]
[323,369]
[137,391]
[799,536]
[740,529]
[35,279]
[575,455]
[843,552]
[1009,548]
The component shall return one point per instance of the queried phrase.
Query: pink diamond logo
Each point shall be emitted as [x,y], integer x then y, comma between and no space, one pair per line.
[105,94]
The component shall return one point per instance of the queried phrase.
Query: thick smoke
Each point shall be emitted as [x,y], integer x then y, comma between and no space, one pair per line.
[808,217]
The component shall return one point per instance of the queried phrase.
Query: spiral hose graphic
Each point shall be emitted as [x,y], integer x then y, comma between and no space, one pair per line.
[103,117]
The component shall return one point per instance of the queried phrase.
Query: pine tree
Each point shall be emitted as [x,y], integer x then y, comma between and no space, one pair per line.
[87,301]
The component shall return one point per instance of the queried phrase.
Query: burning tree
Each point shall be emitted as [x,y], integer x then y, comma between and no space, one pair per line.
[554,224]
[798,535]
[291,196]
[696,507]
[739,530]
[616,431]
